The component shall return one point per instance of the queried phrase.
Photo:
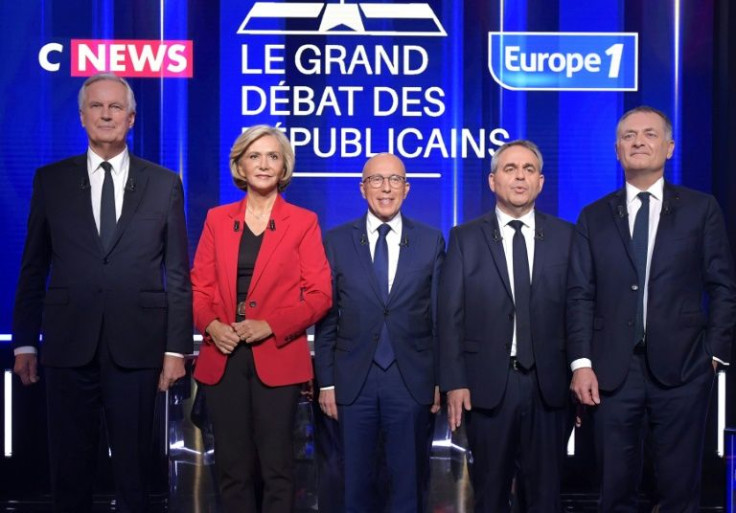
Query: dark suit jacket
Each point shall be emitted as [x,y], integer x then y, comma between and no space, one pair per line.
[138,292]
[691,258]
[347,337]
[476,312]
[290,289]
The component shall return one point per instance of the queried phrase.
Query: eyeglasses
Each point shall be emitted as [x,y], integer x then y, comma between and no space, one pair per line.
[376,181]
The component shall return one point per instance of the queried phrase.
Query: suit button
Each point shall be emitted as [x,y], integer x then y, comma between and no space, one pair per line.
[105,261]
[252,304]
[511,317]
[630,323]
[635,287]
[375,337]
[385,313]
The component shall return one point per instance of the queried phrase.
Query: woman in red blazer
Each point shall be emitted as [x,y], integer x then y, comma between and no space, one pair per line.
[260,278]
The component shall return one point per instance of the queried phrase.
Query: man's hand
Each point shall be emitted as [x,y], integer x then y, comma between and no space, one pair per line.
[223,336]
[584,386]
[436,404]
[26,367]
[172,371]
[251,331]
[457,401]
[327,403]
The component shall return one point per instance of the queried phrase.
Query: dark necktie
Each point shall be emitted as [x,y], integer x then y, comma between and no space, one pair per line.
[384,355]
[108,218]
[522,293]
[640,243]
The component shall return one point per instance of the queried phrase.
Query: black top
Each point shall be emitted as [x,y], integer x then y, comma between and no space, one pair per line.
[250,245]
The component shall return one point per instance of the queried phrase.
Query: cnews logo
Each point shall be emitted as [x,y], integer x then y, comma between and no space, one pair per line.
[361,19]
[564,61]
[124,57]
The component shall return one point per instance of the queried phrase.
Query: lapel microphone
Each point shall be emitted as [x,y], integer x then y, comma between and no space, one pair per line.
[236,226]
[621,211]
[538,234]
[665,207]
[130,185]
[272,225]
[85,183]
[404,243]
[496,235]
[363,240]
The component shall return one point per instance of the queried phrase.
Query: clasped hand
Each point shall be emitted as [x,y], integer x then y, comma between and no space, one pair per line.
[226,337]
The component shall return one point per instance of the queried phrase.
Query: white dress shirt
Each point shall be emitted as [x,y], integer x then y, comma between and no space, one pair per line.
[120,168]
[507,239]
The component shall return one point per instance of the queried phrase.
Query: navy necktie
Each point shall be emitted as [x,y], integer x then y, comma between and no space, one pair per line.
[108,217]
[640,245]
[384,355]
[522,293]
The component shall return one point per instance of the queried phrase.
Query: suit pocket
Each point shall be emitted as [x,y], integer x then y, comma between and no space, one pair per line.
[149,299]
[56,297]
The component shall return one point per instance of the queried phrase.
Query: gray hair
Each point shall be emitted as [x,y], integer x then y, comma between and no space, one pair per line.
[524,143]
[106,76]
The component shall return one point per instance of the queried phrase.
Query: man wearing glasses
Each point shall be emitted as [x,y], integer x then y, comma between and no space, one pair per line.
[375,350]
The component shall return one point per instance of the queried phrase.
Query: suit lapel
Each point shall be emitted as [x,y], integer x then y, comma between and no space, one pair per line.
[276,229]
[617,204]
[135,189]
[492,233]
[363,252]
[666,226]
[540,247]
[406,257]
[85,199]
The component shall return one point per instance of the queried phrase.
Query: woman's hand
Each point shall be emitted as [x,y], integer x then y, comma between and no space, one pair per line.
[224,337]
[251,331]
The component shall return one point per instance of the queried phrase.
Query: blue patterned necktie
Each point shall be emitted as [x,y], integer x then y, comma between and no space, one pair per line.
[384,355]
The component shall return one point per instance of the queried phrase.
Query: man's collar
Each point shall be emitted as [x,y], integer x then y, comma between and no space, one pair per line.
[118,161]
[373,222]
[504,218]
[656,190]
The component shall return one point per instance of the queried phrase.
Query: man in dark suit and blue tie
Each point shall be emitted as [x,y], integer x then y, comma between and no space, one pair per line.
[105,279]
[502,338]
[375,350]
[642,342]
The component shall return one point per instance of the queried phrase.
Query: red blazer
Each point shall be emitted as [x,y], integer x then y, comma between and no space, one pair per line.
[290,289]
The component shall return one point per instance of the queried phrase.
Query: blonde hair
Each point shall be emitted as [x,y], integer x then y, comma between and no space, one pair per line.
[247,138]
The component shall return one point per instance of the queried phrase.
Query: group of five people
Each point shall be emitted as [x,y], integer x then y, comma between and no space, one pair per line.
[519,302]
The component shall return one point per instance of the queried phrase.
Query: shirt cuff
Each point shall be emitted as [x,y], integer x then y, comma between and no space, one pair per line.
[725,364]
[178,355]
[581,363]
[327,388]
[24,350]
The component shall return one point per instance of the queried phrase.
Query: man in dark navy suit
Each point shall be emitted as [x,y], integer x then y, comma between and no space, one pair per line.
[502,338]
[105,279]
[375,349]
[643,345]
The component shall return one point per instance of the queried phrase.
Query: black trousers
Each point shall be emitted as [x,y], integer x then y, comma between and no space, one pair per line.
[76,400]
[253,426]
[675,420]
[522,437]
